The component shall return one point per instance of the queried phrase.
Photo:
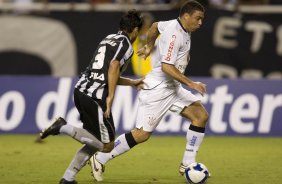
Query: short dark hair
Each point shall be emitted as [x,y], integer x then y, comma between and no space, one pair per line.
[191,6]
[130,20]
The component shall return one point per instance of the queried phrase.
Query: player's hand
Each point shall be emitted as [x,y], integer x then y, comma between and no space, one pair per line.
[200,87]
[109,102]
[138,83]
[144,52]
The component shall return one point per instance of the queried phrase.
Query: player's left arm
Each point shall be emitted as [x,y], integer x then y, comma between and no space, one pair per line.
[137,83]
[113,77]
[152,35]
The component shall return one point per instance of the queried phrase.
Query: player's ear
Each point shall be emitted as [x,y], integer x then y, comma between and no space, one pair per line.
[186,16]
[136,30]
[134,34]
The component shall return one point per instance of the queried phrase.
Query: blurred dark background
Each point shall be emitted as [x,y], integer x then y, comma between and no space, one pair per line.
[238,39]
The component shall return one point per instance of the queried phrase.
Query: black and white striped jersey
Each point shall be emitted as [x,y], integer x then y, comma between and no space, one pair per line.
[94,80]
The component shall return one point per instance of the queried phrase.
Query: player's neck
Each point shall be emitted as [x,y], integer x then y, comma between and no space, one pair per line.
[182,24]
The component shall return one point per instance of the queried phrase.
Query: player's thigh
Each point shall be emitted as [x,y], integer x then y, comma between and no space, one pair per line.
[183,98]
[189,106]
[153,104]
[91,115]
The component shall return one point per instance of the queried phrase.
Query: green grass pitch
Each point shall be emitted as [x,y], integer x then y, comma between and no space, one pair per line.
[231,160]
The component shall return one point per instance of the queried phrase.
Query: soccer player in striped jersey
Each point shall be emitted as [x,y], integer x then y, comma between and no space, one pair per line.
[163,89]
[94,95]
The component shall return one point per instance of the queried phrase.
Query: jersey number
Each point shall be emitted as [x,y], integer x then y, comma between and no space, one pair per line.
[99,59]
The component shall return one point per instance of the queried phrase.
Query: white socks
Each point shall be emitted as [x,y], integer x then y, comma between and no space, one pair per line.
[194,140]
[121,146]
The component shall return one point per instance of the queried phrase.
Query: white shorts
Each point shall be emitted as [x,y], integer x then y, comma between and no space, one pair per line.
[154,103]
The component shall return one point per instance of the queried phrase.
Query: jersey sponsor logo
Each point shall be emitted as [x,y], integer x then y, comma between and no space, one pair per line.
[97,76]
[170,48]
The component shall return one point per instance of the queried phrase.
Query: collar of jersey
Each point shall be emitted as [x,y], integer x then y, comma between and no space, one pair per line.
[178,20]
[123,33]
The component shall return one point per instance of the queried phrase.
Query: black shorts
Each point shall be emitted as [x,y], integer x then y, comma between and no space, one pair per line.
[92,117]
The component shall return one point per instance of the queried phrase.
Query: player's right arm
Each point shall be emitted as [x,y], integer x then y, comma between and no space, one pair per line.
[177,75]
[171,42]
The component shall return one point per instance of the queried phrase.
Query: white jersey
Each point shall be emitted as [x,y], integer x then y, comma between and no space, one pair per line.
[172,47]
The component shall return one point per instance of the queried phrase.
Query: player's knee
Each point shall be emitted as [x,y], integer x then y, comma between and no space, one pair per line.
[204,117]
[200,119]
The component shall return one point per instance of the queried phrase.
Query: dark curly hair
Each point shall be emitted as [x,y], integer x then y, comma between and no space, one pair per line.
[130,20]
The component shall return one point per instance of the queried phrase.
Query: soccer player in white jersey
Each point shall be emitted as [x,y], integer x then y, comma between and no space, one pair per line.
[94,93]
[163,89]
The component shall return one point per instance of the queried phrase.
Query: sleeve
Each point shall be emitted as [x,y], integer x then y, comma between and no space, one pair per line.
[162,25]
[121,50]
[170,43]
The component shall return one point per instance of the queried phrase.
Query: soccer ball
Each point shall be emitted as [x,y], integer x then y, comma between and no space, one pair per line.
[196,173]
